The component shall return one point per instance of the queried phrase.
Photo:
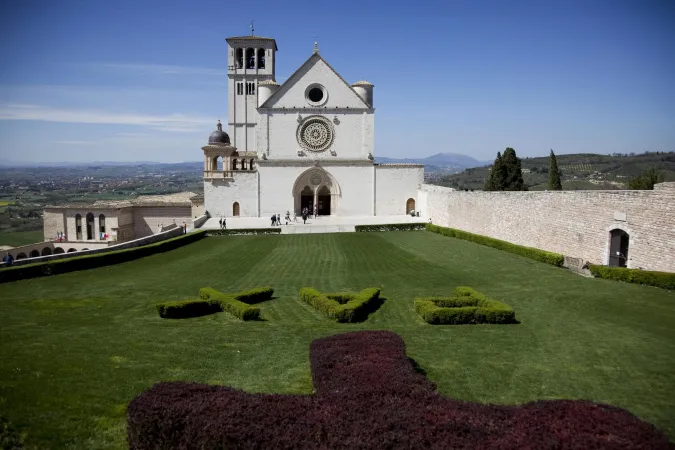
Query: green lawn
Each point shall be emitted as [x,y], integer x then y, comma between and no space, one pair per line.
[76,348]
[17,238]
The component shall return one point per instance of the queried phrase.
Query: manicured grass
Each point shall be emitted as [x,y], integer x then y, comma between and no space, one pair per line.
[17,238]
[76,348]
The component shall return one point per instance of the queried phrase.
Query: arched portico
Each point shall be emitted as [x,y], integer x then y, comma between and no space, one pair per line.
[316,187]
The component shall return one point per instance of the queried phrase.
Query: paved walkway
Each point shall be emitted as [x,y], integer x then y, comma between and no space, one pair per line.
[322,224]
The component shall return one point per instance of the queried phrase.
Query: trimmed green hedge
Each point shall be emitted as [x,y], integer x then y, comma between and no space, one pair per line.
[211,301]
[244,231]
[187,308]
[391,227]
[256,295]
[57,266]
[665,280]
[356,307]
[466,307]
[555,259]
[230,304]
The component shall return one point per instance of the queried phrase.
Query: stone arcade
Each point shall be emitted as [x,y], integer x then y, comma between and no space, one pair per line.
[304,144]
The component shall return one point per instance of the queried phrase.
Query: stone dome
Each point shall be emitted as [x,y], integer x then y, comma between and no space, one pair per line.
[219,137]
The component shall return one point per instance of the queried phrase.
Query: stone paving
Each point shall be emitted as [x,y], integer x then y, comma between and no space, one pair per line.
[321,224]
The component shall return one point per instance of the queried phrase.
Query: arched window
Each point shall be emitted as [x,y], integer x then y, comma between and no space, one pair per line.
[261,58]
[101,223]
[34,254]
[239,58]
[218,163]
[234,164]
[250,165]
[58,250]
[235,209]
[410,206]
[46,251]
[21,256]
[618,248]
[78,227]
[71,250]
[250,58]
[90,226]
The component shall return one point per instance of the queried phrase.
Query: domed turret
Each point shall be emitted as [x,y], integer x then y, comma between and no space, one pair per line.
[365,91]
[265,90]
[219,137]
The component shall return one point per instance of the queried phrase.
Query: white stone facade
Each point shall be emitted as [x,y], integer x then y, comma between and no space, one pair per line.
[308,143]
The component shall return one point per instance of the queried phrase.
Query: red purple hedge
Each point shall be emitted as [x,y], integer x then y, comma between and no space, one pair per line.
[368,395]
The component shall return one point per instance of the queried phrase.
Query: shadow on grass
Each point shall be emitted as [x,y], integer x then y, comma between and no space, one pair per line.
[419,369]
[373,306]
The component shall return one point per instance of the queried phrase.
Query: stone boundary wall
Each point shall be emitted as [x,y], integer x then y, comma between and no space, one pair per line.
[574,223]
[173,232]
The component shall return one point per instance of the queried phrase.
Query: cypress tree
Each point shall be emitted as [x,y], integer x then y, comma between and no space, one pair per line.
[497,177]
[513,179]
[554,183]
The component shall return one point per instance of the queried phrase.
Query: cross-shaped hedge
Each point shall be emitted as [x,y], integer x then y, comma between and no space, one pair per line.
[369,395]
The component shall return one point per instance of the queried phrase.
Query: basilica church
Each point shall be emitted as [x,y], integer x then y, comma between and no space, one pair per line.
[307,143]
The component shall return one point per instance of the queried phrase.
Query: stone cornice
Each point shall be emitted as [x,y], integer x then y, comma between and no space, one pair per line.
[312,110]
[309,162]
[395,165]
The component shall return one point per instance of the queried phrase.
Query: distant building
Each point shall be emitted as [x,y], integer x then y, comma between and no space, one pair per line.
[102,222]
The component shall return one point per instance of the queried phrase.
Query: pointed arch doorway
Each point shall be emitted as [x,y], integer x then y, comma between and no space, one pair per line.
[316,188]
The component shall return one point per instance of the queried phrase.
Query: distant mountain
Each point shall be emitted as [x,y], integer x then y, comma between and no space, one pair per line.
[440,162]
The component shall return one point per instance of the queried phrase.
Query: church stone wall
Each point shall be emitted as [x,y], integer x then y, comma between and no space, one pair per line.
[353,136]
[395,184]
[356,187]
[574,223]
[220,195]
[53,222]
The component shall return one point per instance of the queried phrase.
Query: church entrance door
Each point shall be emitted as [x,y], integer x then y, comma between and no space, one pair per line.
[323,198]
[307,200]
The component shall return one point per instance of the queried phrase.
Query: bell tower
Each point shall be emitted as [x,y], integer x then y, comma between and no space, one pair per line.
[250,61]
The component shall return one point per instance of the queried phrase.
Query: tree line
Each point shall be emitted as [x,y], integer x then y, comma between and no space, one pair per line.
[506,174]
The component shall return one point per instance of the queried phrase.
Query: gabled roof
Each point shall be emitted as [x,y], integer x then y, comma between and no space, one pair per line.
[253,38]
[312,59]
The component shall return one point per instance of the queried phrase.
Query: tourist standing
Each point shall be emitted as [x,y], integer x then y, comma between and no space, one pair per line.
[278,219]
[304,217]
[220,223]
[274,219]
[316,212]
[224,226]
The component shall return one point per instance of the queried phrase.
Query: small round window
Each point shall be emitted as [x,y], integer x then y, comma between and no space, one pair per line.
[316,95]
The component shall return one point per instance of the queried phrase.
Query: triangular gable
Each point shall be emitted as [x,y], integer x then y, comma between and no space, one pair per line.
[315,70]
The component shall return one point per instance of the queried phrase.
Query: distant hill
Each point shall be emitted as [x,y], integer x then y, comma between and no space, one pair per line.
[440,162]
[579,172]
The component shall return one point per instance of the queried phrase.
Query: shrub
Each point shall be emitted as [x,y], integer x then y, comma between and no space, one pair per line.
[84,262]
[244,231]
[230,304]
[466,307]
[256,295]
[555,259]
[391,227]
[665,280]
[369,396]
[187,308]
[343,307]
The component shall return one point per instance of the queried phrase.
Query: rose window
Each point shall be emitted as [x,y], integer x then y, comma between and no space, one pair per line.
[316,134]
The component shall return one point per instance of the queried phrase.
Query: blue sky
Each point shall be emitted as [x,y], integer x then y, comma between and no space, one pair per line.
[146,80]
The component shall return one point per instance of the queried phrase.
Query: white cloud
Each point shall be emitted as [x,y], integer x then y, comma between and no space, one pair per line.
[179,123]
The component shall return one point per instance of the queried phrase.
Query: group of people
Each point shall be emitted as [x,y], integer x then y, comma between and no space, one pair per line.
[222,222]
[60,236]
[276,218]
